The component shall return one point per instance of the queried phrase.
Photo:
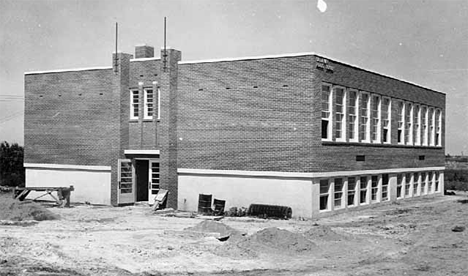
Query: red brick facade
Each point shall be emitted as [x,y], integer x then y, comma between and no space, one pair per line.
[253,115]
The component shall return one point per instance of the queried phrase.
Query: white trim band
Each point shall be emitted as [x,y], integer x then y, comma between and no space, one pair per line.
[147,152]
[66,167]
[248,58]
[145,59]
[67,70]
[305,175]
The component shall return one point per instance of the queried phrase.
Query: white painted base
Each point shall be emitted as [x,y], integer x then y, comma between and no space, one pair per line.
[241,191]
[90,185]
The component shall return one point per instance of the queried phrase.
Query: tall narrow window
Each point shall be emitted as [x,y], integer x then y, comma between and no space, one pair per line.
[423,183]
[149,103]
[340,113]
[324,194]
[364,124]
[424,124]
[386,120]
[352,111]
[385,181]
[399,186]
[401,124]
[417,126]
[326,112]
[407,184]
[134,104]
[363,189]
[415,184]
[375,113]
[409,124]
[374,187]
[431,183]
[351,191]
[437,176]
[338,193]
[438,125]
[431,127]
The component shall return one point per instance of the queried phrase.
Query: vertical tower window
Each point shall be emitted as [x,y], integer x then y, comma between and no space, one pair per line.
[324,194]
[134,104]
[326,112]
[409,125]
[417,125]
[364,124]
[386,120]
[149,103]
[352,111]
[400,119]
[375,113]
[351,190]
[338,193]
[339,113]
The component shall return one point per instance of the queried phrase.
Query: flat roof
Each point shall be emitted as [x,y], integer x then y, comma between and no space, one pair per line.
[68,70]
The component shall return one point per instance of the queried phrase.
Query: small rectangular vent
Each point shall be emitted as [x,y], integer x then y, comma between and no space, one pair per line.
[422,157]
[360,158]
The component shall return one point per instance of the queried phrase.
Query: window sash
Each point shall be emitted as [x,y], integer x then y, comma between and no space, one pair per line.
[134,104]
[149,103]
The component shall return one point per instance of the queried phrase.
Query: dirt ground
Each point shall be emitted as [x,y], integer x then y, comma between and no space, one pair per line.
[411,237]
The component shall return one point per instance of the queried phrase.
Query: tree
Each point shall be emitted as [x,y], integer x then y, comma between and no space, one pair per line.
[11,164]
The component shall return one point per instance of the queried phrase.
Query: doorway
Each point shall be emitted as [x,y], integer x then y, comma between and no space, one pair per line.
[141,168]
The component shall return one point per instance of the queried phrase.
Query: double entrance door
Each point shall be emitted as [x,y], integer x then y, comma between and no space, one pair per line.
[138,180]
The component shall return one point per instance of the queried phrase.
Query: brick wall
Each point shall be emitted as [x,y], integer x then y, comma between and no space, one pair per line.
[266,115]
[247,115]
[68,117]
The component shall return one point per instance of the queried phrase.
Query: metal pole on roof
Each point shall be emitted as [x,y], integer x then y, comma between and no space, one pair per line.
[165,53]
[116,41]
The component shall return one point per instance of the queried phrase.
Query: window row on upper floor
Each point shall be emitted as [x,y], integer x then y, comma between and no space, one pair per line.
[350,115]
[150,104]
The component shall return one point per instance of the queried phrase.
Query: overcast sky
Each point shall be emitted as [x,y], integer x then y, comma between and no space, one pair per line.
[422,41]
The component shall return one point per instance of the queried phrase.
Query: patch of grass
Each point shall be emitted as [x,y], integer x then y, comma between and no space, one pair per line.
[11,209]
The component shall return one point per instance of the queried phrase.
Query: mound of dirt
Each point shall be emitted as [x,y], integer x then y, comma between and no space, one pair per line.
[15,210]
[322,232]
[210,226]
[271,240]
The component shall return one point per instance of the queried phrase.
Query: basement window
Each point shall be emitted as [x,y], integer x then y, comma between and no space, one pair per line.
[360,158]
[385,187]
[399,186]
[422,157]
[363,189]
[415,182]
[374,187]
[338,193]
[351,191]
[324,194]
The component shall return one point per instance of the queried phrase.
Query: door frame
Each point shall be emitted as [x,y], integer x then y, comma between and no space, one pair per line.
[149,159]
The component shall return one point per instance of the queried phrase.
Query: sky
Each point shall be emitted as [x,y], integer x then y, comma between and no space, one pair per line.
[421,41]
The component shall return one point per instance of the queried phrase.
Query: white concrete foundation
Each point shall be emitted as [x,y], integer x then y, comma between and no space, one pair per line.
[91,183]
[241,191]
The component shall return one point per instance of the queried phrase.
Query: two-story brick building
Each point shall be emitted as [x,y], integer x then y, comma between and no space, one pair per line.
[300,130]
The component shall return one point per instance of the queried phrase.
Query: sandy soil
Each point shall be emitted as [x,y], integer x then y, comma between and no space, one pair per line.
[412,237]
